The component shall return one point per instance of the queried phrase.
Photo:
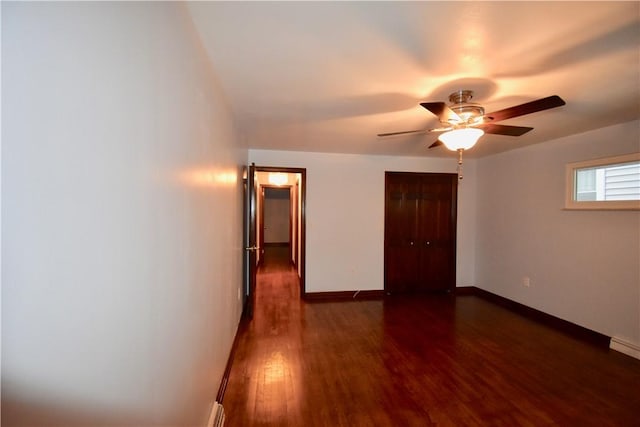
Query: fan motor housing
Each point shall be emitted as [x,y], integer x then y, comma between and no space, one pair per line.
[469,112]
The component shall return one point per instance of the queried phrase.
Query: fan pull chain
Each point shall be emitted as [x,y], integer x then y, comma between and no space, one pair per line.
[460,164]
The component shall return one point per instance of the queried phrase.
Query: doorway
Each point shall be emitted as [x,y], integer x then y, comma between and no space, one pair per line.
[276,218]
[278,221]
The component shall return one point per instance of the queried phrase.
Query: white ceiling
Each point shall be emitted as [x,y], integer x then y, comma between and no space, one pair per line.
[330,76]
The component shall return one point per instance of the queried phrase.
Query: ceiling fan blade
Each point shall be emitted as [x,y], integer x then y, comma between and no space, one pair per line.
[444,113]
[436,144]
[527,108]
[497,129]
[404,132]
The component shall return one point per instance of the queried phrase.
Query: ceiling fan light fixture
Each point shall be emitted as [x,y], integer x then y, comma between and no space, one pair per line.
[461,139]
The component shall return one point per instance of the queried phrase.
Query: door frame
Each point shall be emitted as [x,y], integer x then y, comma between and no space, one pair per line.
[302,241]
[261,222]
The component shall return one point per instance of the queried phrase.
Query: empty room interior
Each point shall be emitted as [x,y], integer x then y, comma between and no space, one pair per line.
[320,213]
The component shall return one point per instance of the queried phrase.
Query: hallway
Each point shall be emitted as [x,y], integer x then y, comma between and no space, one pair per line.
[421,361]
[277,292]
[265,374]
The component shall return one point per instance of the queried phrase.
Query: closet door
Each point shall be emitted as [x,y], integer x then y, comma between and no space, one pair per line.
[420,224]
[437,232]
[402,257]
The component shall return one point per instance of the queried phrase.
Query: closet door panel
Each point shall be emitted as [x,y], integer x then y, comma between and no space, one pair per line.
[436,230]
[402,257]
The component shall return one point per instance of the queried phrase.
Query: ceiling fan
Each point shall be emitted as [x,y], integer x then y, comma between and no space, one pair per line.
[466,121]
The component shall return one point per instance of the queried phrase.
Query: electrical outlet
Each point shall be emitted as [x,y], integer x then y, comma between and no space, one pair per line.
[526,281]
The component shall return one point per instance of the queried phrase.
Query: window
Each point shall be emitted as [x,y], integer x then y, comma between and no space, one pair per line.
[611,183]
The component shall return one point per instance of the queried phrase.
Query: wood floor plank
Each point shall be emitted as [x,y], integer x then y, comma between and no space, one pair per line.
[434,360]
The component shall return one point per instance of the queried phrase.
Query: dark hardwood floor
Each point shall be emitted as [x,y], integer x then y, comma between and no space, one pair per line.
[433,360]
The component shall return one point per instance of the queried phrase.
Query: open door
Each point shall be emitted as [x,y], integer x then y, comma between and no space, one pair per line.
[250,244]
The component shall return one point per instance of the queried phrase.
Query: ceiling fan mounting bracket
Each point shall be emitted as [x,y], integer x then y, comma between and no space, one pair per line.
[461,96]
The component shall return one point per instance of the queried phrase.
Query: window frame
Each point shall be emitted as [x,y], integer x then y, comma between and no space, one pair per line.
[572,204]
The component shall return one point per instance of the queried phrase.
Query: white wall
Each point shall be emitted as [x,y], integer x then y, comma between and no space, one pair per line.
[345,215]
[584,265]
[121,217]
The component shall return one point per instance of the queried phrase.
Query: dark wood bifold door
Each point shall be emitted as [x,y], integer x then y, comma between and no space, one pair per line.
[420,231]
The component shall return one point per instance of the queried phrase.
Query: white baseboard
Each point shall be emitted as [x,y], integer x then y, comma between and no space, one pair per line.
[626,347]
[212,414]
